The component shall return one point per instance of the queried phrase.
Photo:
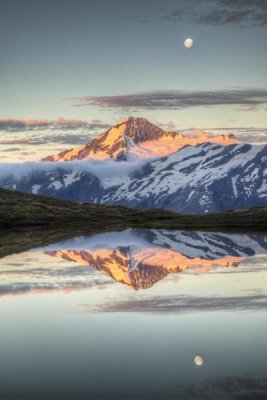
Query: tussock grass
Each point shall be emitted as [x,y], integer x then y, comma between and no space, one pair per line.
[21,210]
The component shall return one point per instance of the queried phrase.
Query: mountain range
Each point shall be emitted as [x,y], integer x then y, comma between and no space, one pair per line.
[136,164]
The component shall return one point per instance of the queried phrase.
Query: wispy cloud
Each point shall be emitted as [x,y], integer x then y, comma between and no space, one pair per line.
[175,304]
[238,13]
[39,136]
[176,99]
[13,124]
[247,135]
[169,126]
[67,138]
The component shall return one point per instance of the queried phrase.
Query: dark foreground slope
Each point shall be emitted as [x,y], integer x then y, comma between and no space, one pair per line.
[23,210]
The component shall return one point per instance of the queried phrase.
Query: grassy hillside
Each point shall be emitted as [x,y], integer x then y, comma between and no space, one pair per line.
[24,210]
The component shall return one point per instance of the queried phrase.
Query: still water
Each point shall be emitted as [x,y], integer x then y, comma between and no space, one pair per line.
[139,314]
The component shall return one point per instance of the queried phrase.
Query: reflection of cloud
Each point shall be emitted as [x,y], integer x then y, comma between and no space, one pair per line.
[220,12]
[51,285]
[13,124]
[78,271]
[29,274]
[228,387]
[10,149]
[175,99]
[175,304]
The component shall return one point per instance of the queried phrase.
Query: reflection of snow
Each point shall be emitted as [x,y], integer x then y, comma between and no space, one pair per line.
[205,245]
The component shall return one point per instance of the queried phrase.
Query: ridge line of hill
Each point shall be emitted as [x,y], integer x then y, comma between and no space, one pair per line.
[20,210]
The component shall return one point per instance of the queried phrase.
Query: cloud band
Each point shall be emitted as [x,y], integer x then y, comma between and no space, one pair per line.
[172,100]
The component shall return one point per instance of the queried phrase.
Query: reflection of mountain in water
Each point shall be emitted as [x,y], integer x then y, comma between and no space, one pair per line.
[136,258]
[140,269]
[152,255]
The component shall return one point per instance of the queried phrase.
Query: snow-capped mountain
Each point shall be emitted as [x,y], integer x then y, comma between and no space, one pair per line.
[205,178]
[152,168]
[136,138]
[197,179]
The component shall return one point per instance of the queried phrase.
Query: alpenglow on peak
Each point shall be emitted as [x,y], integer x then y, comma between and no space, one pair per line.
[136,138]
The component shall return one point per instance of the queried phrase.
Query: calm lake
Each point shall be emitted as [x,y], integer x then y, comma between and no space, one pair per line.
[139,314]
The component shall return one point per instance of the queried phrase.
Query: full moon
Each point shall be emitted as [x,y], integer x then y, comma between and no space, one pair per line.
[188,43]
[198,360]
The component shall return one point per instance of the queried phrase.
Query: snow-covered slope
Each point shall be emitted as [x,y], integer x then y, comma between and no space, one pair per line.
[196,179]
[136,138]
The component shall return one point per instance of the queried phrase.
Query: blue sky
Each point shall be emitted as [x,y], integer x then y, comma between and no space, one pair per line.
[54,53]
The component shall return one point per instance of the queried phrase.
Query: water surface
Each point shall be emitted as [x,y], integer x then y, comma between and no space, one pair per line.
[139,314]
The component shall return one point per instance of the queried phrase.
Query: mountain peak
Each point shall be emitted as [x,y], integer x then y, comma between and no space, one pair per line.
[137,138]
[136,120]
[141,130]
